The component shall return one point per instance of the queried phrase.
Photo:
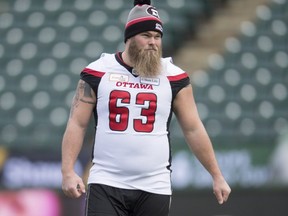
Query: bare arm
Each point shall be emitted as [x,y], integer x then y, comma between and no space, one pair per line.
[82,107]
[198,140]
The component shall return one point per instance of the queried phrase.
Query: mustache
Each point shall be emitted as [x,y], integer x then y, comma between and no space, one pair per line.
[154,48]
[151,49]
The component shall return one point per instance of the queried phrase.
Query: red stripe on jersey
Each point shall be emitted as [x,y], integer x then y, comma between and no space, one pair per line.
[93,72]
[177,77]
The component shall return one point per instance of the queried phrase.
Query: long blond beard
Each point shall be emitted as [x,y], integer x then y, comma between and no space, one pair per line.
[146,63]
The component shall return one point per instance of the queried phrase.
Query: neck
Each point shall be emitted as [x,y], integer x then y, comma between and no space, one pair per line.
[126,58]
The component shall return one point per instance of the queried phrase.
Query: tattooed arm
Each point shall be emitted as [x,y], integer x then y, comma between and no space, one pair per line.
[82,107]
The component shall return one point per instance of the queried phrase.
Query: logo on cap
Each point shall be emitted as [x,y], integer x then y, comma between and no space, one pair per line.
[152,11]
[159,27]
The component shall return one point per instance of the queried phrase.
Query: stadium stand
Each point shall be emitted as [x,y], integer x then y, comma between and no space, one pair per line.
[242,93]
[44,46]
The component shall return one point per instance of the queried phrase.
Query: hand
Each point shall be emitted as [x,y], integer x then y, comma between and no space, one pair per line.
[72,185]
[221,189]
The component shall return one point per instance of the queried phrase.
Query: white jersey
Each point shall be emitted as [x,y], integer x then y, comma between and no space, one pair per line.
[132,116]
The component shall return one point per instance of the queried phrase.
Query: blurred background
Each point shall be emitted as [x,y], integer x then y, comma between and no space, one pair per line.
[236,53]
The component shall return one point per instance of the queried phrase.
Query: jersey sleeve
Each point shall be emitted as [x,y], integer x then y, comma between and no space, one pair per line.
[92,77]
[178,82]
[177,77]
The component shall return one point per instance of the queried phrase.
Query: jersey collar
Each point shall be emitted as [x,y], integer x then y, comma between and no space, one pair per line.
[119,59]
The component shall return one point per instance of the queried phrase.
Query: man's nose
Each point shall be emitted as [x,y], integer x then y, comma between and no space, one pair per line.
[152,40]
